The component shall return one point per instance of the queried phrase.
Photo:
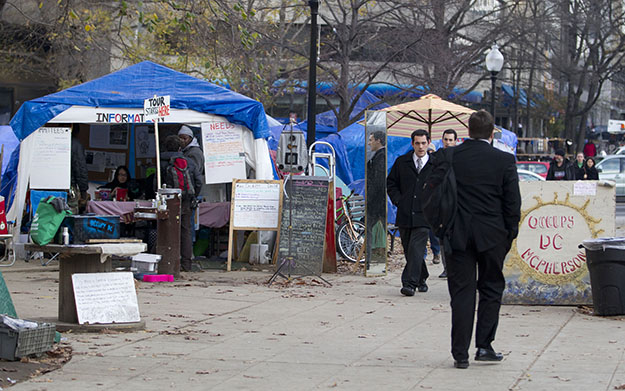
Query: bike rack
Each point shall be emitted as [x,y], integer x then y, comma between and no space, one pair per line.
[331,158]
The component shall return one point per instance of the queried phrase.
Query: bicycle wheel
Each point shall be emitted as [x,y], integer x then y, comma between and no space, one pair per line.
[350,240]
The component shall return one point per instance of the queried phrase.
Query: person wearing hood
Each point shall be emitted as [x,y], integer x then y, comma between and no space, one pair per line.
[191,148]
[173,146]
[561,168]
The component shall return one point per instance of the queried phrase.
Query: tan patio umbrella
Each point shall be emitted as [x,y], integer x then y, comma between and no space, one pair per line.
[429,112]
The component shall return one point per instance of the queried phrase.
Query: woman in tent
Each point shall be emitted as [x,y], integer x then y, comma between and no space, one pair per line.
[122,180]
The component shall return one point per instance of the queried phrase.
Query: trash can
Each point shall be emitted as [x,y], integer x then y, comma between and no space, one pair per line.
[606,265]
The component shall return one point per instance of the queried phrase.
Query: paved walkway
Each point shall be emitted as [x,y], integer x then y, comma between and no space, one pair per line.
[229,331]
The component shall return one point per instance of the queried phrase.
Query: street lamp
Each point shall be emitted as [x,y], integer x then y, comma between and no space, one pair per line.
[312,72]
[494,63]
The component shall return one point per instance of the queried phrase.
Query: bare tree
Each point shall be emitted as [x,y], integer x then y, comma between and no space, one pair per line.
[456,35]
[587,50]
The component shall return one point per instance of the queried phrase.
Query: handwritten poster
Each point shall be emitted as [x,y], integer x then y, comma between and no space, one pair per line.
[256,204]
[105,297]
[224,155]
[51,159]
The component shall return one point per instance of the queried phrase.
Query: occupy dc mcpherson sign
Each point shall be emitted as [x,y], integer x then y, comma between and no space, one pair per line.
[545,264]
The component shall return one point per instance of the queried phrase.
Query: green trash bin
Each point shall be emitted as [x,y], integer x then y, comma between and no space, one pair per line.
[606,265]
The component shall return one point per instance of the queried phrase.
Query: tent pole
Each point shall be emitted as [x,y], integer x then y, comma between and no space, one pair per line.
[158,155]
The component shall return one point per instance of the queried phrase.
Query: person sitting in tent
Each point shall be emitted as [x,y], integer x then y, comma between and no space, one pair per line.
[122,180]
[191,148]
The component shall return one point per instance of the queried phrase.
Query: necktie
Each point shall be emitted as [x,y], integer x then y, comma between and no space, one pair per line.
[419,165]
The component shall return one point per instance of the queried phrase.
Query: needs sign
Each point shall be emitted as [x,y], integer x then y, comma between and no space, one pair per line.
[156,107]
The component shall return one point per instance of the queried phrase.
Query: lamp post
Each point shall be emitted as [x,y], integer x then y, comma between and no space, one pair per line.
[312,73]
[494,63]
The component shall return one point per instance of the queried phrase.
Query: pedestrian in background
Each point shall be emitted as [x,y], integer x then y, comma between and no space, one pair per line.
[489,210]
[450,139]
[560,168]
[590,171]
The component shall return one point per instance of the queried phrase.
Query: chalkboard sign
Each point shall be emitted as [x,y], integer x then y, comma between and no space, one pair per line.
[256,206]
[305,209]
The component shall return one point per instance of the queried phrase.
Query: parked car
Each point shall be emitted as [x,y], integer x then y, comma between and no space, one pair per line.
[612,168]
[525,175]
[539,168]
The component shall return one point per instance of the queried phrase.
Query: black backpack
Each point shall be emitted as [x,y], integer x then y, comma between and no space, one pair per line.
[439,196]
[179,177]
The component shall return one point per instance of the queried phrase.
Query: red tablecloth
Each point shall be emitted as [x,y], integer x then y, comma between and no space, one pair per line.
[112,208]
[214,214]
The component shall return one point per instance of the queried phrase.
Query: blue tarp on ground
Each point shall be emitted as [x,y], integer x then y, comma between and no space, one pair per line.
[141,81]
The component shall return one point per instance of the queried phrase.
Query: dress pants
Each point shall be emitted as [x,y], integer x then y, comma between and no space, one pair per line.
[413,241]
[186,241]
[462,284]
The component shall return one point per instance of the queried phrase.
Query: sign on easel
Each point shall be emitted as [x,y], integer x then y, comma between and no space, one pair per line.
[105,298]
[256,206]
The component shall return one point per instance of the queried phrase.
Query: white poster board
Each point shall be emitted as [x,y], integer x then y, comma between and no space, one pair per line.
[105,298]
[224,156]
[256,204]
[51,159]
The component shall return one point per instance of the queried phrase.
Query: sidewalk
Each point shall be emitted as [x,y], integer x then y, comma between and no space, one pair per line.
[229,331]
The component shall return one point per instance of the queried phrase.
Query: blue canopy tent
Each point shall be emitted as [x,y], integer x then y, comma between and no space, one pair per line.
[118,98]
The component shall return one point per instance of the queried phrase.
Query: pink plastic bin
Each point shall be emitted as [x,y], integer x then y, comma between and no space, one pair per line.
[158,278]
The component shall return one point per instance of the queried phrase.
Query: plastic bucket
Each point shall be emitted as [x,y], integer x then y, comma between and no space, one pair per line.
[607,280]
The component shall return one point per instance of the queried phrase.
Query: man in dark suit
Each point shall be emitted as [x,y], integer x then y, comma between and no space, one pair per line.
[489,210]
[404,185]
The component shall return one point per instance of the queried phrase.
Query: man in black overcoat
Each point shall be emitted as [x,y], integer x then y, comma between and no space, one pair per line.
[404,184]
[489,210]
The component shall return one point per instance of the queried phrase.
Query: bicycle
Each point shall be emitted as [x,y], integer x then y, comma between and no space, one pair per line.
[350,232]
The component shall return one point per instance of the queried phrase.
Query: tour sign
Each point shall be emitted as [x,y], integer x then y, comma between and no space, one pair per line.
[156,107]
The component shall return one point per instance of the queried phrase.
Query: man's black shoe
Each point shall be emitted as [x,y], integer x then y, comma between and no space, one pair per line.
[487,355]
[407,291]
[423,287]
[461,364]
[443,274]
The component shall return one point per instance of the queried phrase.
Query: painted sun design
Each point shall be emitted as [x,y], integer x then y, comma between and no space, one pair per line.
[544,250]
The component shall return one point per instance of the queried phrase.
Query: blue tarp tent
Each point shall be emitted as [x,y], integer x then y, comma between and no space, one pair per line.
[118,98]
[130,86]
